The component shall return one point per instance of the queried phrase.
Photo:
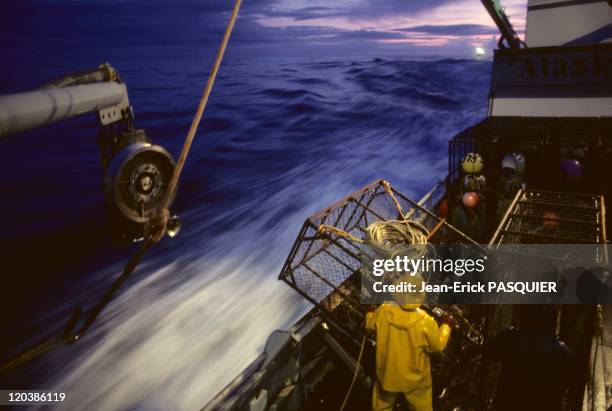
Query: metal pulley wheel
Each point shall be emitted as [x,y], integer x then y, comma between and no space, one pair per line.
[137,179]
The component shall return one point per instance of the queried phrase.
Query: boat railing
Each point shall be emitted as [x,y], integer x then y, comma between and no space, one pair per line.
[430,200]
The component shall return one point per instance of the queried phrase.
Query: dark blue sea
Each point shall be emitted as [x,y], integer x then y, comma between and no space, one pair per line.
[281,138]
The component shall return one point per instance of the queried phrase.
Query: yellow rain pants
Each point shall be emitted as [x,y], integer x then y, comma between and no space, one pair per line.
[419,400]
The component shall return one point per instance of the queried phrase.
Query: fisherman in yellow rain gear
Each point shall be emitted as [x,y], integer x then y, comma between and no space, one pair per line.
[405,337]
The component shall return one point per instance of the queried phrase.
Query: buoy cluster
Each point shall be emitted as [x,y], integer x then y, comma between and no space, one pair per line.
[474,183]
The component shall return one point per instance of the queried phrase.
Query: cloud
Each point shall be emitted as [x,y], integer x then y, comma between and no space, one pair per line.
[453,29]
[250,32]
[302,14]
[101,24]
[368,35]
[377,8]
[351,9]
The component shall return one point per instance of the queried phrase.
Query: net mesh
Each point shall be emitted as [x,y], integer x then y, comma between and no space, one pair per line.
[543,217]
[325,268]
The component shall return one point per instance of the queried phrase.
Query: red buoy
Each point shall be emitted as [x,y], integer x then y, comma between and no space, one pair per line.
[470,199]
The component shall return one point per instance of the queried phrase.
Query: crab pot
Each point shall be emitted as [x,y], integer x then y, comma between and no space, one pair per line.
[546,217]
[325,269]
[562,155]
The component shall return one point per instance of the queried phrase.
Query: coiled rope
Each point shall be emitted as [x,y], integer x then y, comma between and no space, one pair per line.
[391,238]
[388,238]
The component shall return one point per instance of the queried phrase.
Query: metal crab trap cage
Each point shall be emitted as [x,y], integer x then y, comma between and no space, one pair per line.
[329,254]
[329,257]
[552,219]
[547,217]
[543,141]
[560,155]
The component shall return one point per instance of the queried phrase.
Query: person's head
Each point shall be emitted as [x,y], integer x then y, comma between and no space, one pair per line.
[541,318]
[410,300]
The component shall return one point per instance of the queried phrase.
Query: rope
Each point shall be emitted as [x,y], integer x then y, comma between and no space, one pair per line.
[348,393]
[69,337]
[388,238]
[598,337]
[392,238]
[593,394]
[329,229]
[32,353]
[158,224]
[129,268]
[389,191]
[156,228]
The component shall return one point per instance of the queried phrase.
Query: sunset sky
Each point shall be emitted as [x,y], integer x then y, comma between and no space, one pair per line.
[419,22]
[436,26]
[409,26]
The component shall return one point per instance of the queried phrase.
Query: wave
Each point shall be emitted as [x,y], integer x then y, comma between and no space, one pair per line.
[269,154]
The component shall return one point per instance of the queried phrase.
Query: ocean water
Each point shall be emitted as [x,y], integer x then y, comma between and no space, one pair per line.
[281,138]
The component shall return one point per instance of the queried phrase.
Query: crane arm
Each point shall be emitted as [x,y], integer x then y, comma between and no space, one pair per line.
[497,13]
[99,91]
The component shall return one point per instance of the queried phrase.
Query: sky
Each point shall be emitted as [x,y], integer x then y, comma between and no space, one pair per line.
[440,25]
[413,26]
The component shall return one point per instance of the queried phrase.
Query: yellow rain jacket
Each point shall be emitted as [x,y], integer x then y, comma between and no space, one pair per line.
[405,336]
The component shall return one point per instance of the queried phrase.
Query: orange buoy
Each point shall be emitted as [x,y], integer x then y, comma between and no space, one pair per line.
[470,199]
[551,220]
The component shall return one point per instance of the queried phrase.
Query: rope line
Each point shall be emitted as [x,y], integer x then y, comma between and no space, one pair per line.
[159,223]
[69,337]
[348,393]
[129,268]
[155,230]
[329,229]
[389,191]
